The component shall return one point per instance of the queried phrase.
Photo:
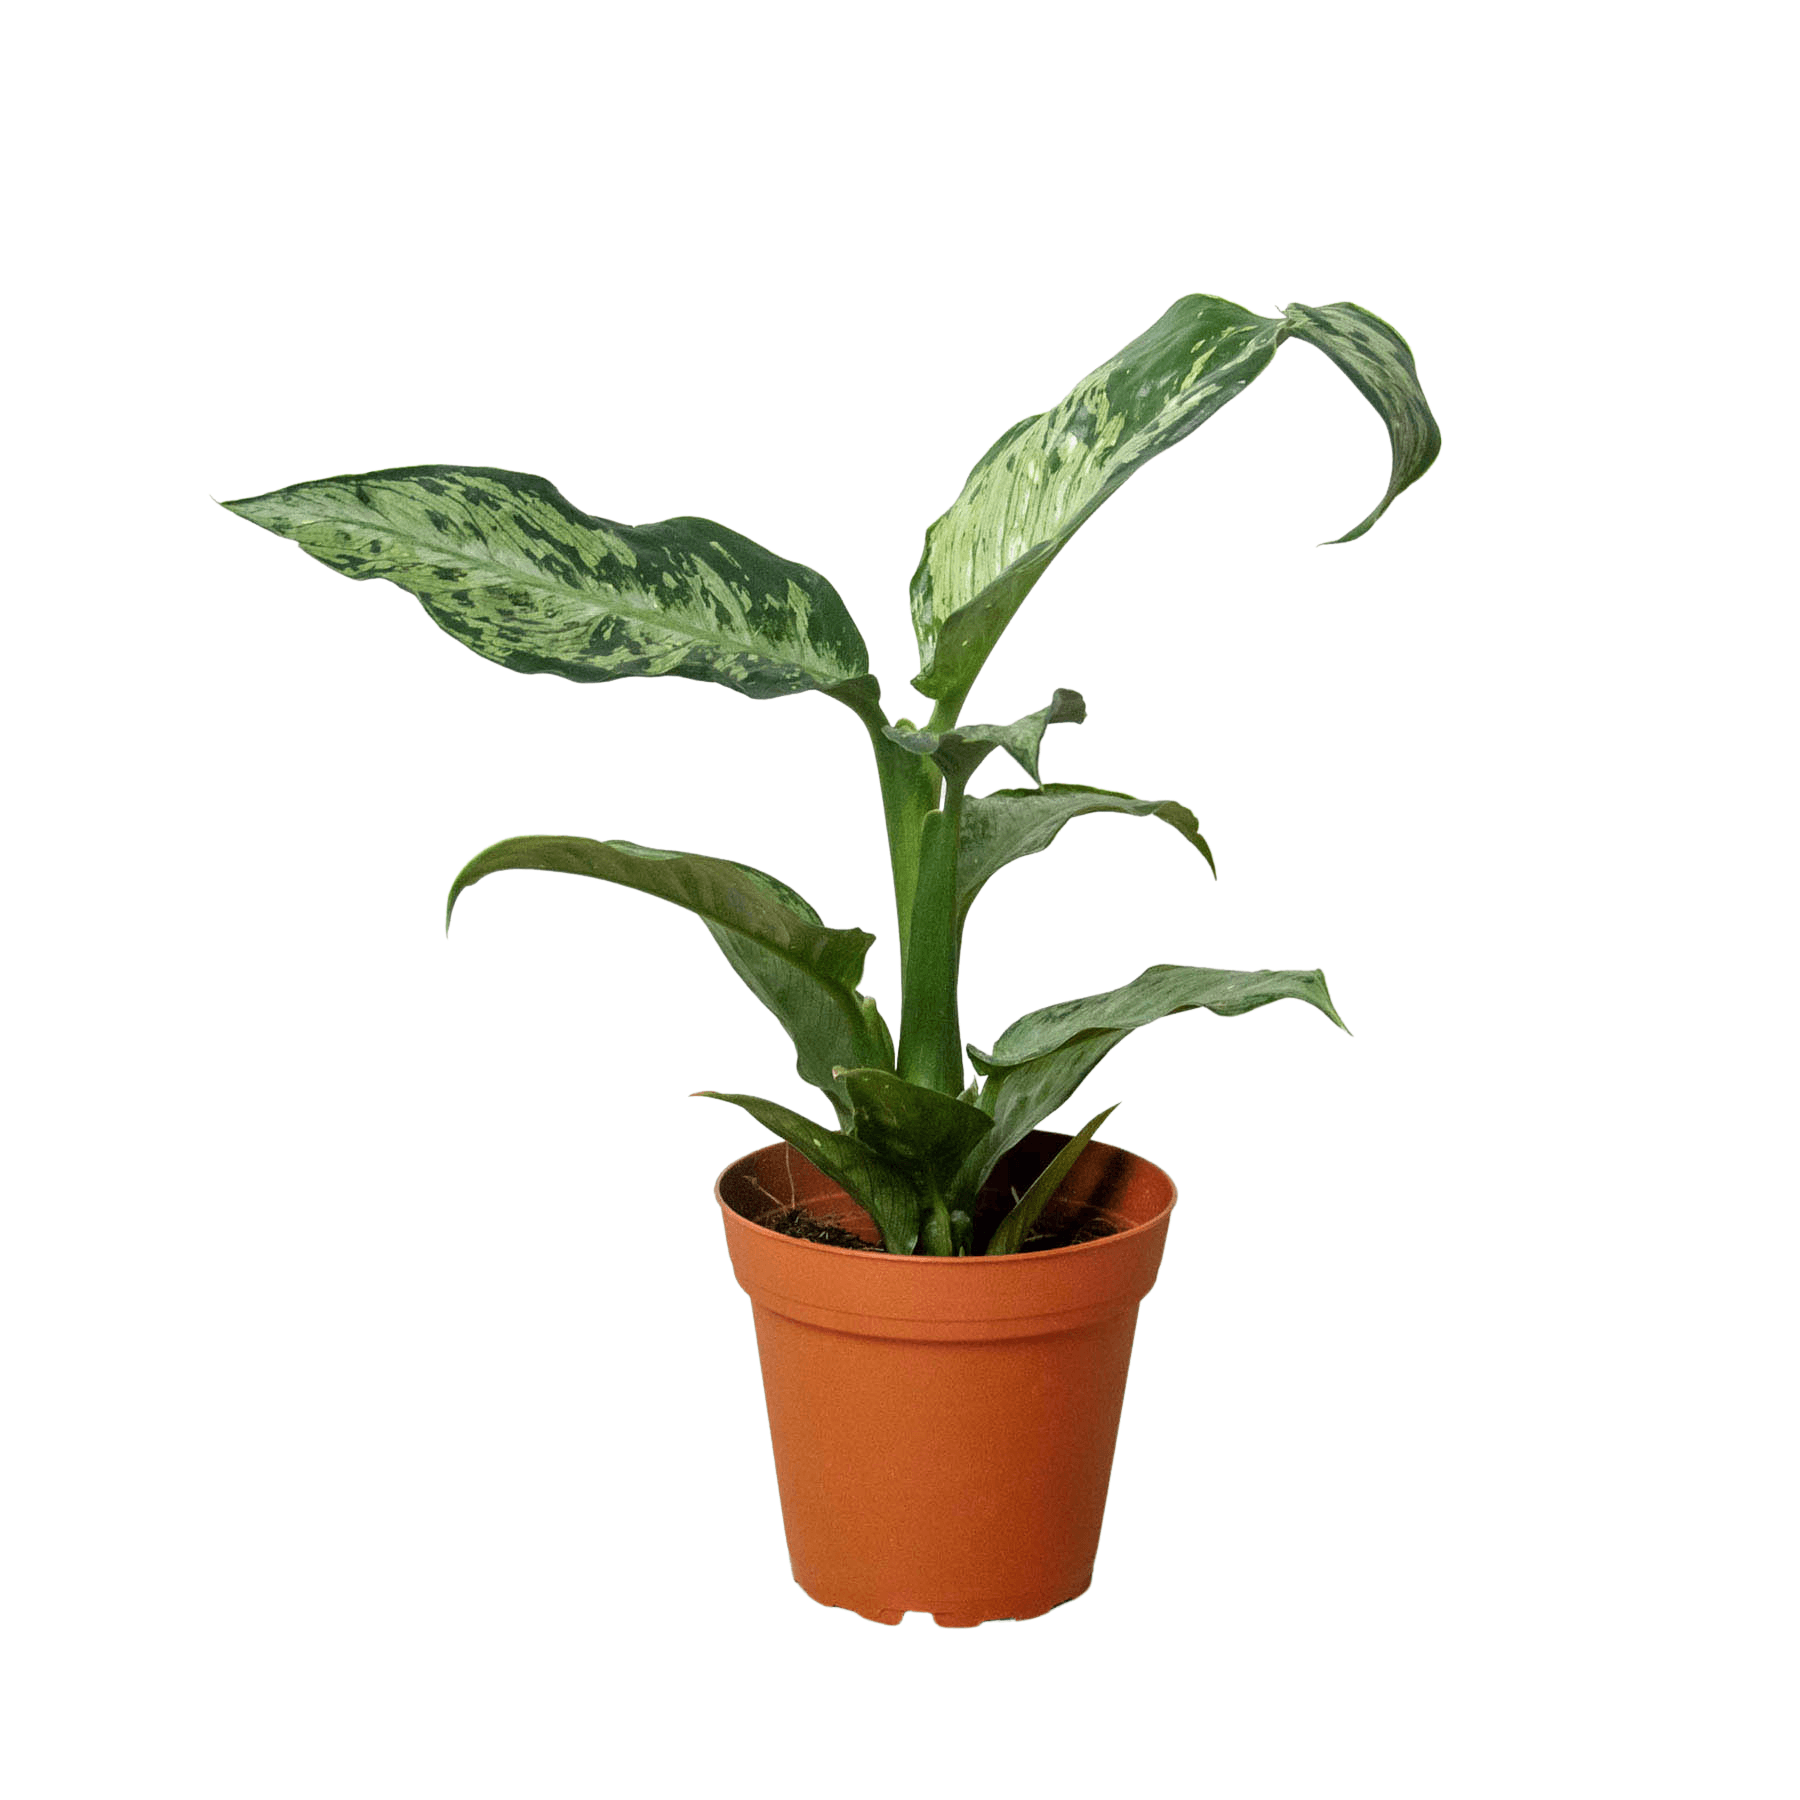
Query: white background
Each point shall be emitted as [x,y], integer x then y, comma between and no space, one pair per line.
[380,1417]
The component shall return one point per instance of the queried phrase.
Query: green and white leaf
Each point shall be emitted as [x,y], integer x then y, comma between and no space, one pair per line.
[1001,827]
[508,567]
[1012,1231]
[1046,477]
[926,1134]
[961,750]
[1380,362]
[886,1195]
[802,970]
[1035,488]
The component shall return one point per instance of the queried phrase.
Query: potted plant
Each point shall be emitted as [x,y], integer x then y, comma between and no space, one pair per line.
[944,1294]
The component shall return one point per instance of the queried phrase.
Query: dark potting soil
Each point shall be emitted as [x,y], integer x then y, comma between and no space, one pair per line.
[797,1222]
[1084,1232]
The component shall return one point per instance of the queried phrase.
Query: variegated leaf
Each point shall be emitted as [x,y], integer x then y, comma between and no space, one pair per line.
[1380,362]
[886,1195]
[802,970]
[961,750]
[1036,487]
[926,1134]
[1001,827]
[508,567]
[1033,490]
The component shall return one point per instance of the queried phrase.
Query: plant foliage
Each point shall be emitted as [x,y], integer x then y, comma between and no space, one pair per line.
[507,566]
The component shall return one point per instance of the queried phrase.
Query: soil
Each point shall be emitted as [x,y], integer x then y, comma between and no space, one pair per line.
[797,1222]
[1084,1231]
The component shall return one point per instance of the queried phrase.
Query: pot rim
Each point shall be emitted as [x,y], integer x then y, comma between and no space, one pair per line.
[1155,1222]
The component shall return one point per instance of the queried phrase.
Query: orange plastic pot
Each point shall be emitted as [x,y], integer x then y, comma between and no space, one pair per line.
[944,1427]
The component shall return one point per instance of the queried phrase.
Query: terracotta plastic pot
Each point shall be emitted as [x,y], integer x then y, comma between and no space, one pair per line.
[944,1426]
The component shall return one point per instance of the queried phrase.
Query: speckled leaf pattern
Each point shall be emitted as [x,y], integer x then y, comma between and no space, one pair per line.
[1001,827]
[1036,487]
[508,567]
[802,970]
[886,1195]
[961,750]
[1379,360]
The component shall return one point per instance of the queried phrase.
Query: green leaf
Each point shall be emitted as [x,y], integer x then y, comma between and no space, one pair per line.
[937,1231]
[925,1134]
[803,971]
[930,1034]
[879,1189]
[1041,1059]
[1036,487]
[1001,827]
[508,567]
[1162,990]
[1042,481]
[960,751]
[1380,362]
[744,900]
[1020,1098]
[1016,1227]
[827,1034]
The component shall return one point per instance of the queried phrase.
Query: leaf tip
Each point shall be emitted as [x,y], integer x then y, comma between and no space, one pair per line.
[1327,1006]
[244,508]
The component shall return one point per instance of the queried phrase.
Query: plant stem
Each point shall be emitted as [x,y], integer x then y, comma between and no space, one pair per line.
[937,1235]
[930,1037]
[945,714]
[906,799]
[922,845]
